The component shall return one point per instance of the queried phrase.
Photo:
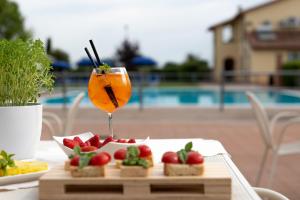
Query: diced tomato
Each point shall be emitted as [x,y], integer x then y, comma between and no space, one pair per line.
[121,141]
[131,140]
[70,143]
[88,148]
[95,141]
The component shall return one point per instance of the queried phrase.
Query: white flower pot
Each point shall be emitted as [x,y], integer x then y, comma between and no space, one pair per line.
[20,130]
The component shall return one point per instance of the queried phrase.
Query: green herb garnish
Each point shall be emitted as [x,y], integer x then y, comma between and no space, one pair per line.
[84,158]
[105,68]
[25,72]
[133,159]
[182,153]
[6,161]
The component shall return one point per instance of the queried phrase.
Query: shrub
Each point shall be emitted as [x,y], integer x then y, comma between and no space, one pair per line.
[291,81]
[24,72]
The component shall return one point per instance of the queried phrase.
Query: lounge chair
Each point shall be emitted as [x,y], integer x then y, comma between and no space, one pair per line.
[270,194]
[64,127]
[267,130]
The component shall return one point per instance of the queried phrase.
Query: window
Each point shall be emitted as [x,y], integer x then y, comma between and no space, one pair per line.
[265,31]
[227,34]
[266,26]
[291,22]
[292,56]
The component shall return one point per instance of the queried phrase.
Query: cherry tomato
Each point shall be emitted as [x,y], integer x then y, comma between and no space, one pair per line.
[170,157]
[194,157]
[74,161]
[100,159]
[145,151]
[108,140]
[131,140]
[88,148]
[122,141]
[120,154]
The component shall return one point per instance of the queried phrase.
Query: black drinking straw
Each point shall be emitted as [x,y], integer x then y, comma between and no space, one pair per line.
[107,88]
[90,57]
[95,52]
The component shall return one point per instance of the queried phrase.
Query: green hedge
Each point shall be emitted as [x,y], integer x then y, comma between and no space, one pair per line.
[291,81]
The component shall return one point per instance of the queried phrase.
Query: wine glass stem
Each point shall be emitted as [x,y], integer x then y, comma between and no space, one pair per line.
[110,124]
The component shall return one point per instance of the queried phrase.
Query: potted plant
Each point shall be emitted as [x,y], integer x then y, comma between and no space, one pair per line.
[24,73]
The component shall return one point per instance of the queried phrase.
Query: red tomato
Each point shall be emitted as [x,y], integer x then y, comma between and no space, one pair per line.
[170,157]
[131,140]
[107,155]
[100,159]
[74,161]
[194,157]
[145,151]
[108,140]
[121,141]
[79,141]
[88,148]
[120,154]
[70,143]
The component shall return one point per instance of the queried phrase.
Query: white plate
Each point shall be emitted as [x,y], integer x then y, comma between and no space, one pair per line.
[20,178]
[110,147]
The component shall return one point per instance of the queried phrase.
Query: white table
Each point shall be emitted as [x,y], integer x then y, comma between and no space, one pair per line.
[50,152]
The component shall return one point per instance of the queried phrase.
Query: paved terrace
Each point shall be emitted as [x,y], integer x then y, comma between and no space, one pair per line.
[235,128]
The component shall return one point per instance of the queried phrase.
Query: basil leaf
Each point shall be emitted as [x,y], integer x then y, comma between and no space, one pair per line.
[132,152]
[188,147]
[104,68]
[77,150]
[143,163]
[182,154]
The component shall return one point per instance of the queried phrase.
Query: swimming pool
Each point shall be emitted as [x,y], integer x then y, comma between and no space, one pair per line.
[174,97]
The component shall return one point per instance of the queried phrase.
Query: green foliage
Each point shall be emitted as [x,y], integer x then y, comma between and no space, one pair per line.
[6,161]
[59,54]
[25,72]
[12,22]
[188,147]
[126,52]
[171,67]
[182,153]
[84,158]
[133,159]
[291,81]
[192,64]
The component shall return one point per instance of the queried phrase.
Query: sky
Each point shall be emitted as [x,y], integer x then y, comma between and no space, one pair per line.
[166,30]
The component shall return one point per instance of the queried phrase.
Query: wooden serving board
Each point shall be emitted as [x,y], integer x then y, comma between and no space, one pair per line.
[214,184]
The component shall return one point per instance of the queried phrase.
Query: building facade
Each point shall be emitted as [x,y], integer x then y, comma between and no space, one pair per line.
[259,39]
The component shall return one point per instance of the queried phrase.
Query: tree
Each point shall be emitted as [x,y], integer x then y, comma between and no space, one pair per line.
[126,52]
[12,22]
[194,64]
[59,54]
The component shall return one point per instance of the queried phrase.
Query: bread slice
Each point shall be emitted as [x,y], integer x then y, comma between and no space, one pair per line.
[67,165]
[149,160]
[183,169]
[88,171]
[133,171]
[118,163]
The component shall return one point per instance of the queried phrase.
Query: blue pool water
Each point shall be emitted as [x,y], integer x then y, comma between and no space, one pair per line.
[174,97]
